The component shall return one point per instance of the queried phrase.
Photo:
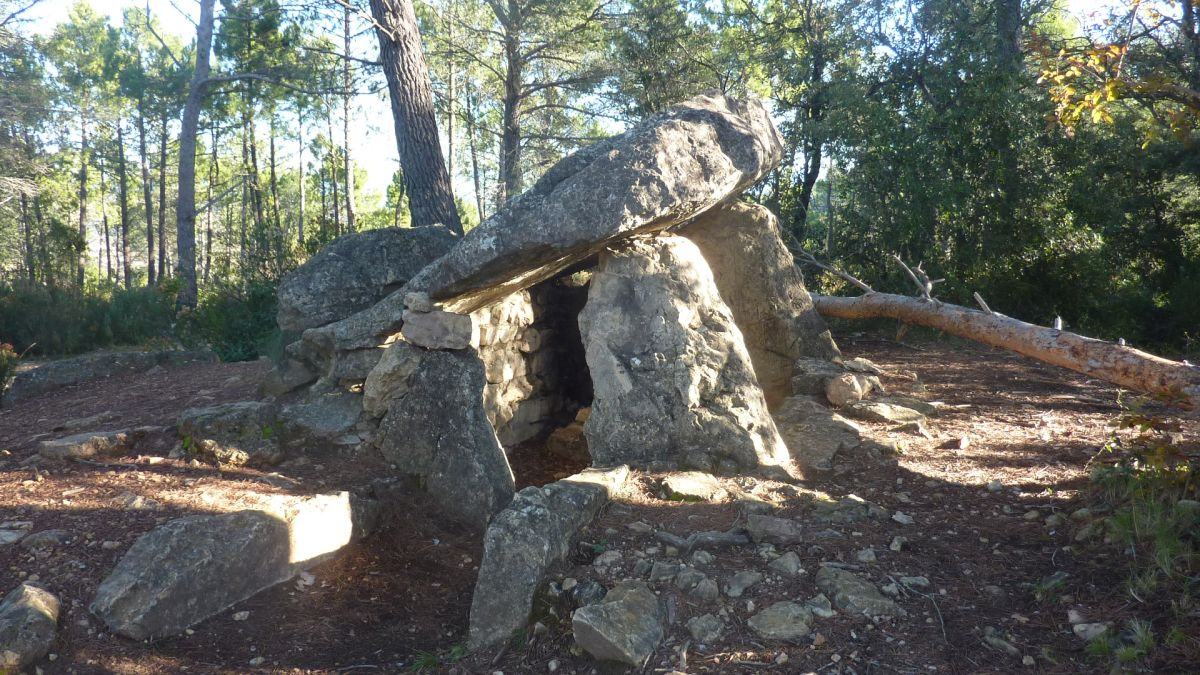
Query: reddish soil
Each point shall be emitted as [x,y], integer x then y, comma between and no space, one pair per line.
[399,599]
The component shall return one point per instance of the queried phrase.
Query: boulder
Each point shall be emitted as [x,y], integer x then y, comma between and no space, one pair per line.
[524,540]
[853,594]
[782,621]
[810,375]
[354,272]
[691,486]
[883,413]
[662,171]
[763,286]
[241,433]
[626,627]
[706,629]
[28,625]
[846,388]
[813,433]
[671,376]
[774,530]
[436,428]
[191,568]
[321,421]
[88,445]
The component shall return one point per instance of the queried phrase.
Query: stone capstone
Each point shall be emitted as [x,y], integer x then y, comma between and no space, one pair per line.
[671,376]
[764,288]
[355,271]
[626,627]
[191,568]
[28,625]
[524,540]
[662,171]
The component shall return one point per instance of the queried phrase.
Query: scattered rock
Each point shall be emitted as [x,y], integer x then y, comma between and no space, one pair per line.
[774,530]
[995,486]
[814,434]
[741,582]
[28,626]
[706,591]
[14,531]
[882,413]
[867,555]
[626,627]
[1089,631]
[702,558]
[706,628]
[903,518]
[915,582]
[783,621]
[787,564]
[91,444]
[691,486]
[664,571]
[846,388]
[853,594]
[898,544]
[861,364]
[689,578]
[820,606]
[46,540]
[587,593]
[809,375]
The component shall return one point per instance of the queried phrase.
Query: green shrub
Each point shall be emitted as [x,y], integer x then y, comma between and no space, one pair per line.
[238,324]
[52,321]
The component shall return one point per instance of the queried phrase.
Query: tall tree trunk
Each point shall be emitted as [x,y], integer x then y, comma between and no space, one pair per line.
[27,224]
[214,177]
[277,229]
[185,209]
[430,196]
[510,131]
[1008,34]
[347,84]
[829,209]
[300,187]
[83,194]
[151,277]
[163,271]
[331,164]
[105,259]
[474,157]
[123,175]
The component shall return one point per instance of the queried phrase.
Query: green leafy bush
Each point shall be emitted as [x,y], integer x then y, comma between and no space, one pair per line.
[237,323]
[51,321]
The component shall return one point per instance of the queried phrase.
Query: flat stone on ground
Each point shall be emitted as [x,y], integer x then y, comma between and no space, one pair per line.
[626,627]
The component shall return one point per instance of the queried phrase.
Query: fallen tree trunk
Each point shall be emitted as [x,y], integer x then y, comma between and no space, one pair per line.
[1118,364]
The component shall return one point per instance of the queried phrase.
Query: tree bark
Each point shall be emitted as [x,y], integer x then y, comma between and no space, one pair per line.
[27,224]
[105,259]
[123,177]
[510,131]
[163,272]
[83,194]
[474,158]
[186,205]
[351,212]
[1123,366]
[151,277]
[300,187]
[430,196]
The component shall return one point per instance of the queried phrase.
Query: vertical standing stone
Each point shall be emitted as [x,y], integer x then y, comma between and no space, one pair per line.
[673,380]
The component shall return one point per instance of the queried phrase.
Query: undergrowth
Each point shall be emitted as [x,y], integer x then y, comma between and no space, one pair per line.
[1146,483]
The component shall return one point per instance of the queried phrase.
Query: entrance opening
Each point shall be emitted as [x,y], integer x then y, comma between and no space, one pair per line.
[553,446]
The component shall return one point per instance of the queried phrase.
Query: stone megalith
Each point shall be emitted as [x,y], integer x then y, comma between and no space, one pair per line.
[759,281]
[661,172]
[672,378]
[354,272]
[435,427]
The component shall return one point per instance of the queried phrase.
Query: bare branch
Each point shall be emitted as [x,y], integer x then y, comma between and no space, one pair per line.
[808,259]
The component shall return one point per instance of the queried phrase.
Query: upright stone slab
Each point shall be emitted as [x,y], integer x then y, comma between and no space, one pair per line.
[435,426]
[661,172]
[672,378]
[760,282]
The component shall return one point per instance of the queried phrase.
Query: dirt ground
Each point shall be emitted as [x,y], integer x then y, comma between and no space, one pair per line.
[399,600]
